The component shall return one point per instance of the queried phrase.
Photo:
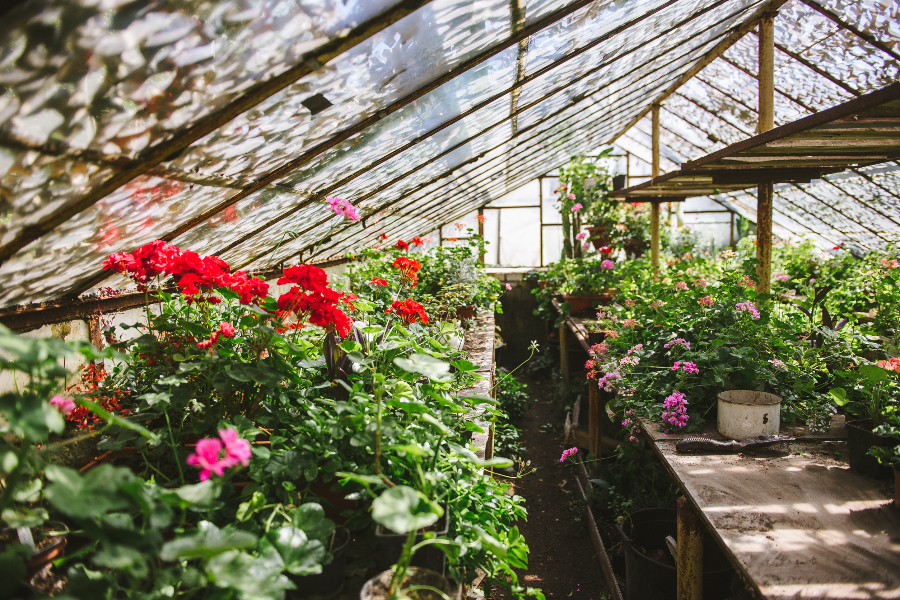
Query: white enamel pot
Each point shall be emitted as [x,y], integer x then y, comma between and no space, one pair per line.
[746,413]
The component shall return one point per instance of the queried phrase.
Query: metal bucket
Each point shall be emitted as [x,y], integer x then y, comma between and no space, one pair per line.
[747,413]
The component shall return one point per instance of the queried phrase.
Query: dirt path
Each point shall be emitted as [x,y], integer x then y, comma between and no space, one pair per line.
[562,560]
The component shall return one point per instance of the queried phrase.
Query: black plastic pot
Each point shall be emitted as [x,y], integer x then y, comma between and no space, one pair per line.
[330,581]
[429,557]
[647,579]
[859,439]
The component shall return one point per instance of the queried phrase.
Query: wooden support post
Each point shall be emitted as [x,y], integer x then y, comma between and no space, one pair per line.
[731,231]
[654,208]
[690,552]
[595,429]
[654,234]
[764,194]
[564,353]
[766,122]
[481,229]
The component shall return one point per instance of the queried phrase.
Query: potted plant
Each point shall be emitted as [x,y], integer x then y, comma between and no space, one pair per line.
[890,455]
[872,401]
[591,282]
[583,190]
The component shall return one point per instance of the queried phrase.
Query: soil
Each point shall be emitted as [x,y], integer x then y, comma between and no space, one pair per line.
[562,561]
[379,589]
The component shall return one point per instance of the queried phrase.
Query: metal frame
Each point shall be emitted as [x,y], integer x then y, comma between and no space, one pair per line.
[521,109]
[153,156]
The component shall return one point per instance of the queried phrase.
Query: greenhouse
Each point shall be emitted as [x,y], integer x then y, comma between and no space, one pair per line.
[445,299]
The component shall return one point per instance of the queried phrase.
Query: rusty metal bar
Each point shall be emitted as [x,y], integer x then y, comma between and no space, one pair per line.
[701,64]
[311,61]
[690,552]
[843,24]
[766,121]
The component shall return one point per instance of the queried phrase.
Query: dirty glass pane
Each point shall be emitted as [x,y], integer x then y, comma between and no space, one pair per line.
[527,195]
[119,77]
[491,234]
[549,211]
[520,237]
[553,244]
[124,220]
[878,18]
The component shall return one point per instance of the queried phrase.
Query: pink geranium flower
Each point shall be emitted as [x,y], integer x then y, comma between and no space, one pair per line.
[237,449]
[207,453]
[607,264]
[62,404]
[206,457]
[577,207]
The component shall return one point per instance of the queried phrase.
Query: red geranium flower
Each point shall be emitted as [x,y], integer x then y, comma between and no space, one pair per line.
[401,245]
[309,277]
[383,236]
[417,241]
[378,281]
[409,310]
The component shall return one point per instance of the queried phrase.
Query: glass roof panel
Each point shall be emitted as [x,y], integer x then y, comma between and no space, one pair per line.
[119,77]
[389,66]
[125,220]
[879,18]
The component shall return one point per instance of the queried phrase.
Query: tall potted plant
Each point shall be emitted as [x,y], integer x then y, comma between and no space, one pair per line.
[584,187]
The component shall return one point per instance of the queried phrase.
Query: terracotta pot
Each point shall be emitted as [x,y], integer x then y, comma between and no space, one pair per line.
[464,313]
[598,237]
[634,248]
[543,283]
[55,548]
[583,304]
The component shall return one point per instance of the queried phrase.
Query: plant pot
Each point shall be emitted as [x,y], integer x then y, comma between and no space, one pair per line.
[634,248]
[337,501]
[598,237]
[646,578]
[596,337]
[583,304]
[747,413]
[48,548]
[429,557]
[377,587]
[330,581]
[859,439]
[464,313]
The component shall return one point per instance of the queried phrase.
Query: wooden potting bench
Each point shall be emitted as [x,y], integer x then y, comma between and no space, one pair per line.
[793,520]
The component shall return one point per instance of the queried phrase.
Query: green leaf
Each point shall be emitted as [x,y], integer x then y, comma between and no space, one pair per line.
[117,420]
[258,577]
[29,416]
[201,494]
[411,449]
[424,364]
[403,509]
[873,374]
[89,495]
[301,555]
[310,518]
[839,395]
[478,462]
[152,398]
[252,506]
[208,542]
[24,517]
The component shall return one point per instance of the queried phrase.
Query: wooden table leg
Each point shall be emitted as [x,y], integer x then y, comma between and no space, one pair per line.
[564,353]
[690,552]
